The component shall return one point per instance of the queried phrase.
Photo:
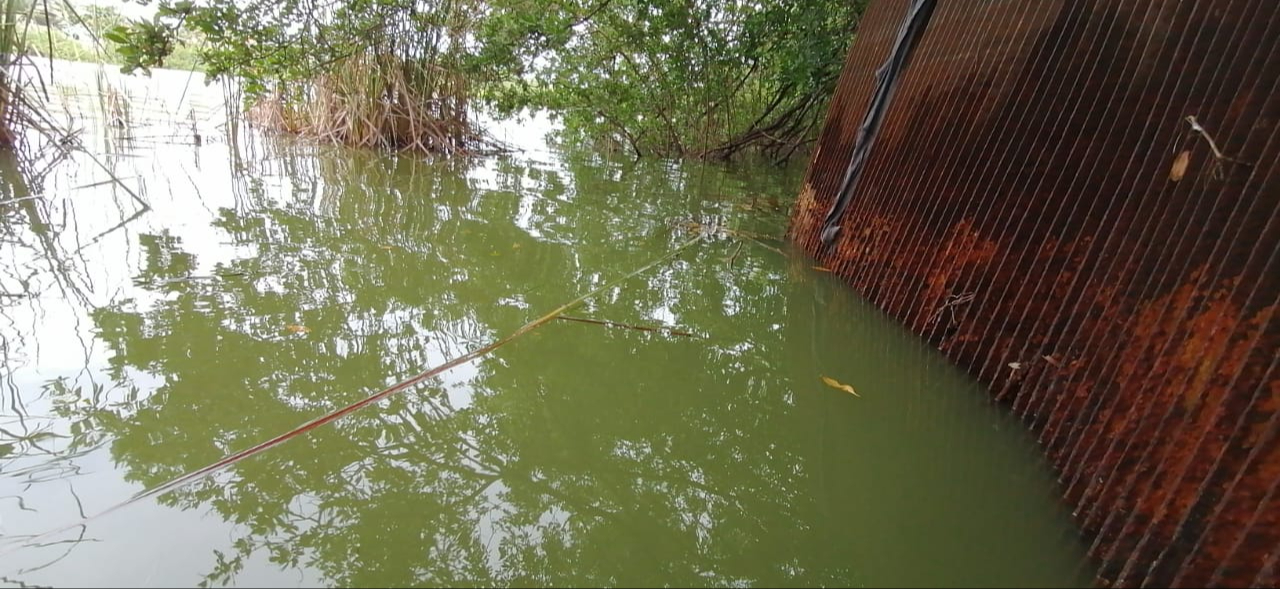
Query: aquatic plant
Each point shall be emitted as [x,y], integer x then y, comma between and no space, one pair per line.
[386,76]
[22,92]
[114,104]
[10,48]
[375,100]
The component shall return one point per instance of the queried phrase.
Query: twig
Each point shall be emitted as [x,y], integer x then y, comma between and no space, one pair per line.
[735,254]
[626,325]
[73,188]
[952,301]
[1220,157]
[764,245]
[1196,128]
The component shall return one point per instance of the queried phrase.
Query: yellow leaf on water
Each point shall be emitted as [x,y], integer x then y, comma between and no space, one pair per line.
[835,384]
[1180,166]
[297,328]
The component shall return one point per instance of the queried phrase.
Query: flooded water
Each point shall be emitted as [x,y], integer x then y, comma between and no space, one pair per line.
[255,283]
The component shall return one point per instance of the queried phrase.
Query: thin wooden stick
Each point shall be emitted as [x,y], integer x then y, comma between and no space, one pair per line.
[73,188]
[349,409]
[605,323]
[736,251]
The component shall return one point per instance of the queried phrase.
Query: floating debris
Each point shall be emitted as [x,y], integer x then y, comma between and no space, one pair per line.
[835,384]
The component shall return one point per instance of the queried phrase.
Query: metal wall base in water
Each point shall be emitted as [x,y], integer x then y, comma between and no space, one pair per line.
[1077,201]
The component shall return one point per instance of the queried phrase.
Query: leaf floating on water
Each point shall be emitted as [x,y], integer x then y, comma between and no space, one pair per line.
[835,384]
[1180,164]
[297,328]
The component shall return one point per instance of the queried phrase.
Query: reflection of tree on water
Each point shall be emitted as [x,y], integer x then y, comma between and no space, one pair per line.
[580,456]
[37,263]
[29,240]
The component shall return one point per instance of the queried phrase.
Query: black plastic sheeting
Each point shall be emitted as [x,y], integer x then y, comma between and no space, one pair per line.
[909,34]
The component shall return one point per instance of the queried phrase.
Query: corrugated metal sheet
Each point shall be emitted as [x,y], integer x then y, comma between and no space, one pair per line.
[1025,209]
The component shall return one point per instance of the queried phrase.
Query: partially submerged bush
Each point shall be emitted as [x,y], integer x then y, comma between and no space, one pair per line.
[377,101]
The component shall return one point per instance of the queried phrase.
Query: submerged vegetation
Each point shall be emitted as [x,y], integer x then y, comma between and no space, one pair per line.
[702,79]
[375,100]
[10,82]
[21,92]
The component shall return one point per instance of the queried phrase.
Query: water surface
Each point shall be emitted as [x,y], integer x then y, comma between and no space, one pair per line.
[255,283]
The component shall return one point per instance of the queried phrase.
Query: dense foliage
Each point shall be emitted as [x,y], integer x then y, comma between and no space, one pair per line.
[700,78]
[675,78]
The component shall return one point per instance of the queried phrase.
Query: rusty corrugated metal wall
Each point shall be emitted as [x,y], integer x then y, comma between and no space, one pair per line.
[1020,211]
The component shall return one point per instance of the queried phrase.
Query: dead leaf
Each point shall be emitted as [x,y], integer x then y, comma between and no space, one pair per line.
[822,268]
[1180,164]
[835,384]
[297,329]
[1015,365]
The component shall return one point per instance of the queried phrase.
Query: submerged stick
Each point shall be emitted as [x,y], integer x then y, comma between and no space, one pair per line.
[72,189]
[774,249]
[736,251]
[605,323]
[352,408]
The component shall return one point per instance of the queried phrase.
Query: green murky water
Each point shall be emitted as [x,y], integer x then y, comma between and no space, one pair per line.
[265,283]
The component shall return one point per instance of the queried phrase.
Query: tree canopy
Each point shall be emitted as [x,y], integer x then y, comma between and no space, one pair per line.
[668,78]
